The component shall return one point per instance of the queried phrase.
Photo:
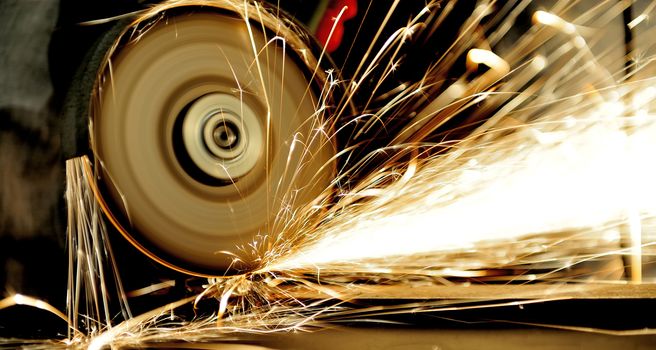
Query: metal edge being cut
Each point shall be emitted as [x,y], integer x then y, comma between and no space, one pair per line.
[191,135]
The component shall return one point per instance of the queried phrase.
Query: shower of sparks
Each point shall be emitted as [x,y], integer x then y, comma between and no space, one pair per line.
[553,182]
[549,177]
[560,166]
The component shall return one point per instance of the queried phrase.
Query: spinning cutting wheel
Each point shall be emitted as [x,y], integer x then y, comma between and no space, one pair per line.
[205,128]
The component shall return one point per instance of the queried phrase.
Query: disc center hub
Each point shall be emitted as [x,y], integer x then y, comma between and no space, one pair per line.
[226,136]
[222,136]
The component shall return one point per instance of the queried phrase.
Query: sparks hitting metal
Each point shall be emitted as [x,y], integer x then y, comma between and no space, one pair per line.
[539,172]
[554,171]
[585,175]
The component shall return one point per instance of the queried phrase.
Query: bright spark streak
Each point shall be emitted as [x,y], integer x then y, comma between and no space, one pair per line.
[637,20]
[552,20]
[559,176]
[489,58]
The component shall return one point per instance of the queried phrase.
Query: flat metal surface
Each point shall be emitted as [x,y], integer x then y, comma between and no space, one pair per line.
[477,291]
[429,339]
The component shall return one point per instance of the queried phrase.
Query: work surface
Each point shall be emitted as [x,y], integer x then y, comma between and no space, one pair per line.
[426,339]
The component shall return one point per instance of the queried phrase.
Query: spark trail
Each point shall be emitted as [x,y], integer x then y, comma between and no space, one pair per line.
[551,176]
[561,164]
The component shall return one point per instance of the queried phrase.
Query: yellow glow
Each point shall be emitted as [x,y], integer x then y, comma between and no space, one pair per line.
[539,62]
[564,175]
[488,58]
[20,299]
[642,17]
[549,19]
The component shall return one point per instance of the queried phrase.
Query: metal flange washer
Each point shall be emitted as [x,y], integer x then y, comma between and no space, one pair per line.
[203,129]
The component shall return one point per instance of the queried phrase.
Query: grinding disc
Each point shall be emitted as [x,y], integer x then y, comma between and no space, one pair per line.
[204,131]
